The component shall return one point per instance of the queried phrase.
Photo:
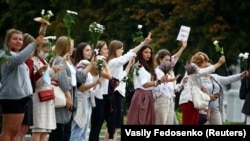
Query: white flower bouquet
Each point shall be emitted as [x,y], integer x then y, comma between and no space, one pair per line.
[44,20]
[100,65]
[96,31]
[69,20]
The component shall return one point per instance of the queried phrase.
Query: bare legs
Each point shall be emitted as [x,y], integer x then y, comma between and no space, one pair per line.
[11,125]
[39,136]
[21,134]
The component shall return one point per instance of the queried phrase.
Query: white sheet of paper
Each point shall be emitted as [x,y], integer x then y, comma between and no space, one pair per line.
[183,33]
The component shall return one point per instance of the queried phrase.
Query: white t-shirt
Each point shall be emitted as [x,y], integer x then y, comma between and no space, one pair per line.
[73,74]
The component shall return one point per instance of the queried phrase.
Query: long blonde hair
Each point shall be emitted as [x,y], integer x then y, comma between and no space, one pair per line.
[62,46]
[113,46]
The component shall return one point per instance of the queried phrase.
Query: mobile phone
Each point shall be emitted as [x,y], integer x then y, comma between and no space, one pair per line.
[217,95]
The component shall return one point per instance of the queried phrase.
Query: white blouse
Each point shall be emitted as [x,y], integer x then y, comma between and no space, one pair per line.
[116,69]
[144,77]
[73,74]
[167,89]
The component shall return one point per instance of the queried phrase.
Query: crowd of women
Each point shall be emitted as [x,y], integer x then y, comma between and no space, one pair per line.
[95,96]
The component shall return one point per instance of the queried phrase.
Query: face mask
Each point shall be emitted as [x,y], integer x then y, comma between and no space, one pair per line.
[43,54]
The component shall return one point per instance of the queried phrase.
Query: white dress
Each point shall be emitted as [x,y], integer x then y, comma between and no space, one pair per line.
[44,119]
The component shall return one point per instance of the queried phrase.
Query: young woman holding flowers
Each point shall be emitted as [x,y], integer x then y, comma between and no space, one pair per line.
[142,109]
[16,90]
[101,70]
[85,92]
[67,80]
[116,60]
[165,99]
[28,113]
[43,112]
[190,115]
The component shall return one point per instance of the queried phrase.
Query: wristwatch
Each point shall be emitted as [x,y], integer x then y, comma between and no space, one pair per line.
[158,82]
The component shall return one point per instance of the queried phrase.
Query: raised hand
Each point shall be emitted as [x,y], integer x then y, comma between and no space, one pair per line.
[147,40]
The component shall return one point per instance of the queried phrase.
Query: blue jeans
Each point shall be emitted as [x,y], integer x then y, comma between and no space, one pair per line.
[80,134]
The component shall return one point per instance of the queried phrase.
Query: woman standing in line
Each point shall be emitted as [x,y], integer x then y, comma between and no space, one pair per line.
[142,109]
[67,80]
[81,120]
[16,90]
[28,113]
[165,101]
[116,61]
[213,84]
[43,112]
[98,112]
[190,115]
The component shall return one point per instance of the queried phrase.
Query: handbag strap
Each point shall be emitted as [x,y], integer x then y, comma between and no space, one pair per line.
[54,82]
[212,80]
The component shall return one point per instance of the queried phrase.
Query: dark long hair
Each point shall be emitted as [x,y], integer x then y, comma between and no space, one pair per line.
[148,65]
[79,52]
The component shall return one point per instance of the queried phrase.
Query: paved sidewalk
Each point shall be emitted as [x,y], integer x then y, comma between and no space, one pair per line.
[28,136]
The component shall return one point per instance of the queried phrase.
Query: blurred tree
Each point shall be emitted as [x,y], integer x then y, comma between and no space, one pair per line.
[222,20]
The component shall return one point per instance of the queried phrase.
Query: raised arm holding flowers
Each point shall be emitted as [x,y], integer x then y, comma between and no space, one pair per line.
[219,48]
[44,20]
[137,65]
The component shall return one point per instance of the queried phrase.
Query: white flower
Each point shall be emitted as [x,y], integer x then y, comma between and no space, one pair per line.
[241,55]
[216,42]
[50,13]
[50,37]
[100,57]
[84,62]
[96,27]
[96,51]
[244,56]
[139,26]
[42,12]
[72,12]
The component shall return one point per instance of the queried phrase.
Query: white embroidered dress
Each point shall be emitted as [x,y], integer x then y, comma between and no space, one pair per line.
[43,112]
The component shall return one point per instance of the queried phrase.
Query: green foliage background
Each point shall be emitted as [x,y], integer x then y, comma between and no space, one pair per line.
[226,21]
[223,20]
